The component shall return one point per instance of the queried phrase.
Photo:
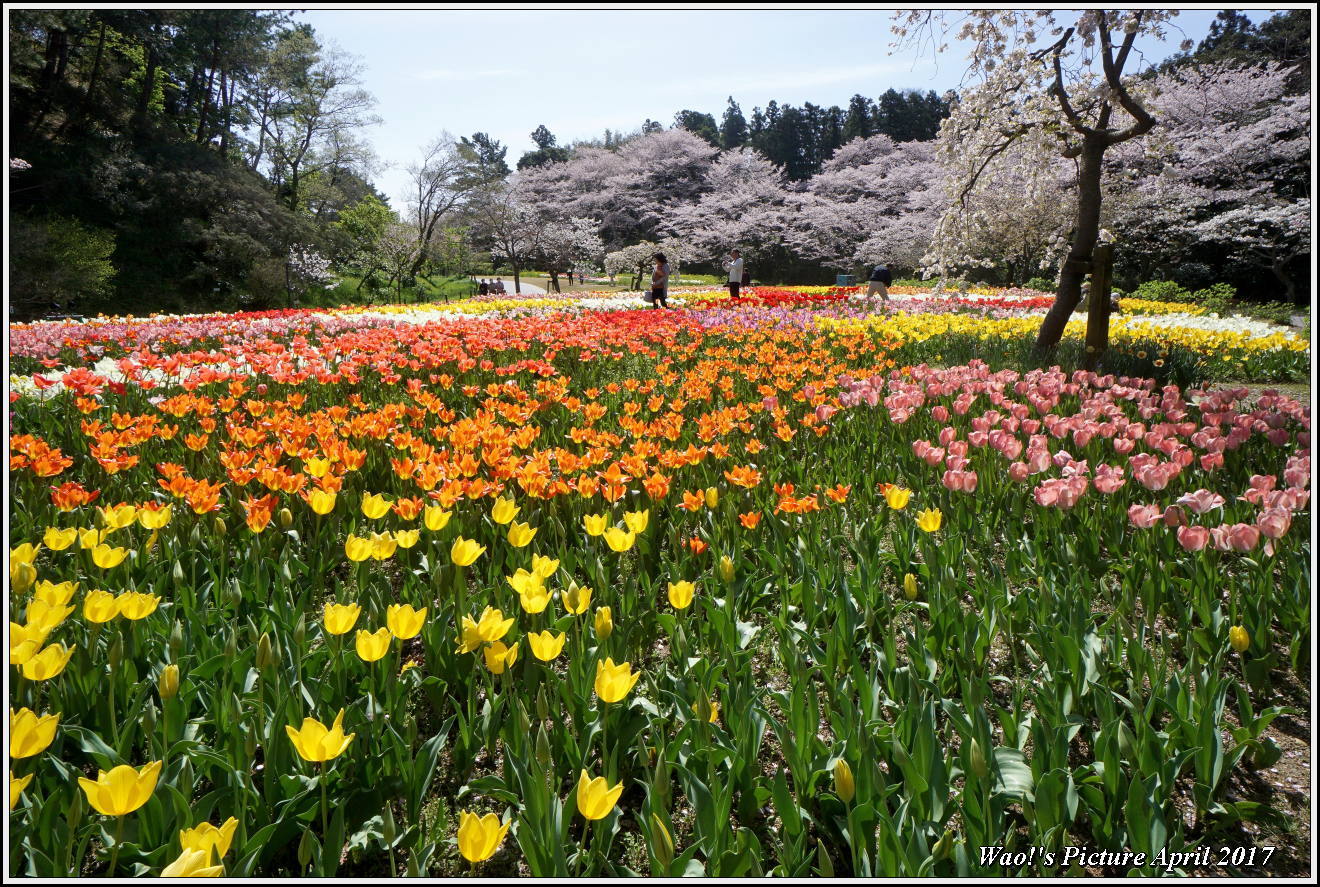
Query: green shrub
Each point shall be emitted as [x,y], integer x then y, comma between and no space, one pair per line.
[1274,312]
[58,264]
[1041,284]
[1163,291]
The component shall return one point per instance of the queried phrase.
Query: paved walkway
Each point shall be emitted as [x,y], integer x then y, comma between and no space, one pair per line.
[528,288]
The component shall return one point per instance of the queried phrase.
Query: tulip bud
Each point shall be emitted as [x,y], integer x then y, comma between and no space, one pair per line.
[231,647]
[389,830]
[116,654]
[604,622]
[218,525]
[234,594]
[910,587]
[844,786]
[176,640]
[703,707]
[410,731]
[305,849]
[300,632]
[265,655]
[943,847]
[149,720]
[523,720]
[178,574]
[662,844]
[542,748]
[185,783]
[250,744]
[542,705]
[726,568]
[978,763]
[712,497]
[1239,639]
[167,684]
[286,518]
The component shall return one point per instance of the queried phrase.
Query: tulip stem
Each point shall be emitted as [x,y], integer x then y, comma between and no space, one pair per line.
[114,851]
[325,827]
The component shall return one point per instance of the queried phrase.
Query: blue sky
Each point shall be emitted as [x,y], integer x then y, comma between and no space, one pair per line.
[581,71]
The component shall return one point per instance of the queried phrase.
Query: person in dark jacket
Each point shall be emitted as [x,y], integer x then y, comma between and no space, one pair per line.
[879,282]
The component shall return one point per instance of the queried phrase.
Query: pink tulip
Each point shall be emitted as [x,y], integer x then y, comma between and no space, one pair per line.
[1274,522]
[1193,538]
[1018,472]
[1143,517]
[1123,445]
[1173,517]
[1243,537]
[1212,461]
[934,456]
[940,413]
[948,434]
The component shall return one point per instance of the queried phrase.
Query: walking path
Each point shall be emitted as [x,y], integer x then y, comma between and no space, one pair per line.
[527,288]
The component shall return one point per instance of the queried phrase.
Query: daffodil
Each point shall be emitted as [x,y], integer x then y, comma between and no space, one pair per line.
[480,836]
[613,682]
[464,552]
[546,645]
[371,646]
[340,618]
[403,621]
[595,798]
[680,594]
[315,743]
[47,663]
[503,510]
[122,790]
[29,734]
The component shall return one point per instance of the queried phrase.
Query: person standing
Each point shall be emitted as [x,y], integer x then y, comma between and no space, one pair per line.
[484,289]
[880,282]
[660,282]
[734,265]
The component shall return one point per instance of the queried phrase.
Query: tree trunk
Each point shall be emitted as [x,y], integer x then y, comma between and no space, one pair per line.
[517,283]
[202,135]
[148,88]
[554,280]
[57,60]
[1086,232]
[1280,269]
[92,79]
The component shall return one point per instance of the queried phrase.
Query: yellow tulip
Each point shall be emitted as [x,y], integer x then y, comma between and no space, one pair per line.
[403,621]
[503,510]
[844,786]
[546,645]
[1239,639]
[372,646]
[28,734]
[464,552]
[100,606]
[520,535]
[24,642]
[24,554]
[157,519]
[167,683]
[619,540]
[680,594]
[47,663]
[613,682]
[637,520]
[375,505]
[206,837]
[714,714]
[118,518]
[436,518]
[909,586]
[136,605]
[339,618]
[316,466]
[89,539]
[45,617]
[122,790]
[480,836]
[21,575]
[383,545]
[897,497]
[604,622]
[595,523]
[16,786]
[322,501]
[357,548]
[315,743]
[535,599]
[193,864]
[469,637]
[576,598]
[492,625]
[407,538]
[500,657]
[930,519]
[595,798]
[55,594]
[58,540]
[523,581]
[108,558]
[726,568]
[712,497]
[543,566]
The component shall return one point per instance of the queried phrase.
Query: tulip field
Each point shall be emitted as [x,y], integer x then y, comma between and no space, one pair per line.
[801,585]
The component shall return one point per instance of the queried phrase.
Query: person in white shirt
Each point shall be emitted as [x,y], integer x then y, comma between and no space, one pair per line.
[734,266]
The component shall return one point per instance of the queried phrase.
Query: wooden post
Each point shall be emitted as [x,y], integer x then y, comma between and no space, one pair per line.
[1097,315]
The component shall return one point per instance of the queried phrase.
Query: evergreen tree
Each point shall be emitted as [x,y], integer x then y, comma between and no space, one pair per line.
[546,150]
[698,124]
[733,128]
[859,122]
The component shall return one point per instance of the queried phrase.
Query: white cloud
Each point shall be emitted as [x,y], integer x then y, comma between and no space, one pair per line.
[454,74]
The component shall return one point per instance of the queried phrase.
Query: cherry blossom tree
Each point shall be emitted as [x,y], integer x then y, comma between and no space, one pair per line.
[568,243]
[746,207]
[1075,89]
